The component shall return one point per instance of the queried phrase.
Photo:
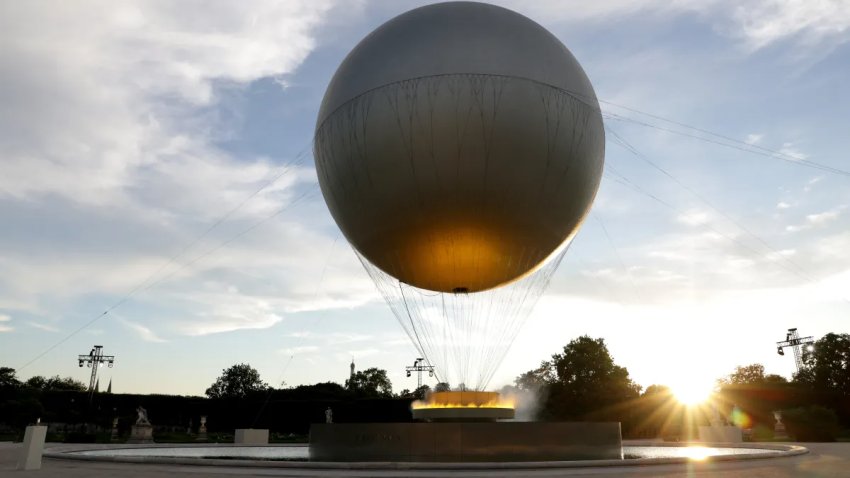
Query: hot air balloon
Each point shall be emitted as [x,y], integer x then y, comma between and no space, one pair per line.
[459,147]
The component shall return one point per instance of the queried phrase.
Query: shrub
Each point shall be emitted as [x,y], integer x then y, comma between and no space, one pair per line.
[814,423]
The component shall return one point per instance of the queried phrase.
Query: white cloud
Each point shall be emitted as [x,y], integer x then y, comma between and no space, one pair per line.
[811,21]
[693,218]
[109,124]
[299,350]
[358,354]
[4,327]
[300,335]
[753,138]
[44,327]
[340,338]
[832,249]
[790,150]
[97,92]
[823,217]
[757,23]
[143,332]
[811,182]
[779,255]
[226,313]
[817,220]
[686,247]
[782,205]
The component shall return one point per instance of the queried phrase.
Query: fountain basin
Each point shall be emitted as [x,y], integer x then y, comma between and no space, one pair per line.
[465,442]
[295,456]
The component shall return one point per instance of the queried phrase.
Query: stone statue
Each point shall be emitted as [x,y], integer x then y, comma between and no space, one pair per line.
[329,415]
[142,430]
[715,419]
[114,435]
[142,416]
[779,431]
[202,429]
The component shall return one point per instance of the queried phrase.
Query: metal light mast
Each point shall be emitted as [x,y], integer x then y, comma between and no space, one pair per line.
[95,359]
[794,341]
[419,366]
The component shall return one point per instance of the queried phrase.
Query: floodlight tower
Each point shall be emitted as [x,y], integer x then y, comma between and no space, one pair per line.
[793,340]
[95,359]
[419,366]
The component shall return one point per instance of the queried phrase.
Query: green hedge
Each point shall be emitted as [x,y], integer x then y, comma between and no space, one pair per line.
[814,423]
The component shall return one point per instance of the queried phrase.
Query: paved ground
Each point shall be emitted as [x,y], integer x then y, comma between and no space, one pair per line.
[824,460]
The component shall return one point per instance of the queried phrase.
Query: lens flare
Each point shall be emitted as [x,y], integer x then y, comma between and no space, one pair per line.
[740,418]
[697,453]
[692,393]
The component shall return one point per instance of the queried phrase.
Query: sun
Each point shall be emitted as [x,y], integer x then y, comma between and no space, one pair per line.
[692,393]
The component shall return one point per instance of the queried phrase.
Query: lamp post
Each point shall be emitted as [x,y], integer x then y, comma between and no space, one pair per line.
[95,359]
[419,366]
[794,341]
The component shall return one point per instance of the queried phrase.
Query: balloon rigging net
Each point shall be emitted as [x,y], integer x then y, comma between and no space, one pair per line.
[464,336]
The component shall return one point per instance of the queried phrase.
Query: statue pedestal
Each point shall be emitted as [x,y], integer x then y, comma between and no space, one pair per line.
[142,433]
[32,448]
[113,437]
[779,432]
[251,436]
[202,430]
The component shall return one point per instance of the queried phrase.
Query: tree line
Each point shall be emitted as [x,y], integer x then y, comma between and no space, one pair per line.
[583,382]
[242,380]
[580,382]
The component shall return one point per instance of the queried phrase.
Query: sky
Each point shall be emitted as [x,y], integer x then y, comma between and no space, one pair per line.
[155,163]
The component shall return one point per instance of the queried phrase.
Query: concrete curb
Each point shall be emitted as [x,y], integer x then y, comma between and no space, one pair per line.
[71,453]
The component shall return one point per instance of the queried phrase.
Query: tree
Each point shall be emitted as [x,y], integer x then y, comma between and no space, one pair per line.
[318,391]
[745,375]
[774,378]
[370,382]
[421,392]
[657,391]
[418,394]
[827,365]
[752,374]
[583,380]
[55,383]
[534,380]
[442,387]
[237,382]
[8,378]
[657,414]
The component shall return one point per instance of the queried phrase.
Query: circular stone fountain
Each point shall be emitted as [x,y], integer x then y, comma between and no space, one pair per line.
[464,426]
[294,457]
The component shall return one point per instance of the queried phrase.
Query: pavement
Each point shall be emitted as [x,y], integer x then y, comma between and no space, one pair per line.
[824,460]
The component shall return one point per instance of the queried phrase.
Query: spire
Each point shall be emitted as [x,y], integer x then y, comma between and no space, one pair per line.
[351,376]
[109,388]
[97,386]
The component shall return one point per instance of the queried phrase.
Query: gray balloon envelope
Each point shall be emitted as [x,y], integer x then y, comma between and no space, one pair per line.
[459,146]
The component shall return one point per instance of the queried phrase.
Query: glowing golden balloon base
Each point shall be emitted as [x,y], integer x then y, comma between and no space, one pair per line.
[463,406]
